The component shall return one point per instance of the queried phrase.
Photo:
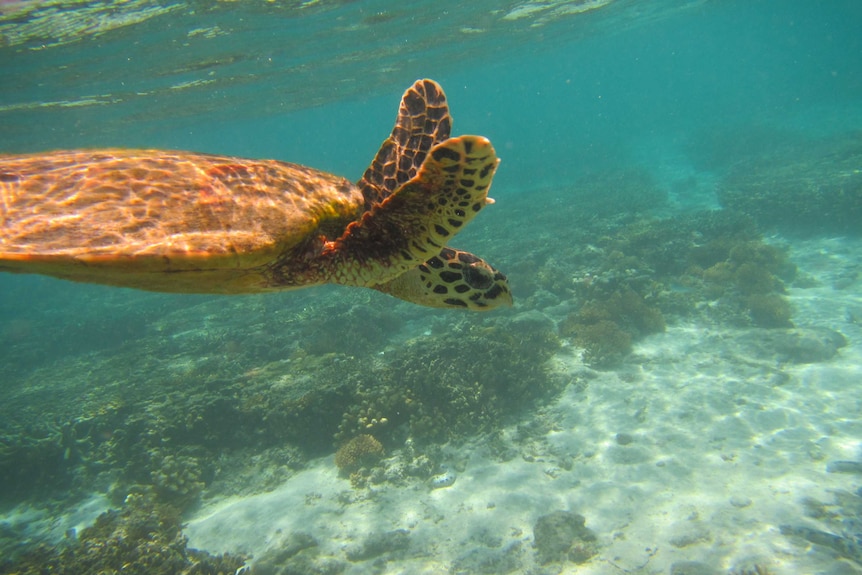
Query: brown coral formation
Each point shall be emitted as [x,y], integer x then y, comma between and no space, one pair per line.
[361,451]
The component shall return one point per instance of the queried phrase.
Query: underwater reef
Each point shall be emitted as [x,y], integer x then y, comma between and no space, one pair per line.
[238,409]
[814,189]
[170,428]
[624,284]
[606,325]
[144,538]
[613,279]
[787,181]
[159,402]
[200,398]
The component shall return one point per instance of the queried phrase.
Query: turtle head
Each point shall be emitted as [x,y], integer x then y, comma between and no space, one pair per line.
[452,279]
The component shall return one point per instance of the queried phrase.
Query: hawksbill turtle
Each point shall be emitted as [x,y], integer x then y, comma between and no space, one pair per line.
[186,222]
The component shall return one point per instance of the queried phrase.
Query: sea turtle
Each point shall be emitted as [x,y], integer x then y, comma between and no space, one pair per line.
[197,223]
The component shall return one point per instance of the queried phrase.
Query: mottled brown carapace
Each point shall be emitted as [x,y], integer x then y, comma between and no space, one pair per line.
[124,216]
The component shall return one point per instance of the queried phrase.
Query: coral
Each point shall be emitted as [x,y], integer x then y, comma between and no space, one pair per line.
[651,269]
[606,327]
[376,412]
[759,254]
[470,382]
[49,458]
[712,252]
[361,451]
[605,343]
[669,246]
[462,382]
[753,279]
[769,259]
[177,479]
[32,465]
[325,328]
[252,469]
[716,279]
[630,310]
[192,426]
[769,310]
[751,267]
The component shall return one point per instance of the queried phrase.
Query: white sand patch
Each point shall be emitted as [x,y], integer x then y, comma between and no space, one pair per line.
[33,524]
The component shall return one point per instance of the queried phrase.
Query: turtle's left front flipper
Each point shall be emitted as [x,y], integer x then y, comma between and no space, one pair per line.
[452,279]
[415,223]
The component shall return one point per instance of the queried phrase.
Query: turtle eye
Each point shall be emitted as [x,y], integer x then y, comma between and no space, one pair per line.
[478,277]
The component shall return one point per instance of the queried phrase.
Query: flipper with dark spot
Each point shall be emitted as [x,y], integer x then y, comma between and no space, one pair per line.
[452,279]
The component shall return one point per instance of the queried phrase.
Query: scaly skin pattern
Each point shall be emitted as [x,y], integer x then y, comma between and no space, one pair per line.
[407,228]
[423,121]
[137,218]
[452,279]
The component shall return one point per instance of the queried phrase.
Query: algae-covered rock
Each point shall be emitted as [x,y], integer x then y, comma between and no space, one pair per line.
[561,536]
[377,544]
[692,568]
[491,561]
[796,345]
[296,553]
[143,538]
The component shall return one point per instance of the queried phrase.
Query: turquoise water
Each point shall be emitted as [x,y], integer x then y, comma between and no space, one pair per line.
[671,171]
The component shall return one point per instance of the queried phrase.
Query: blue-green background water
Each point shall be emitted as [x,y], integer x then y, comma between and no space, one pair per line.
[660,85]
[684,92]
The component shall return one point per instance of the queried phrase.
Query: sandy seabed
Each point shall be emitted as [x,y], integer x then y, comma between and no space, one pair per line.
[689,459]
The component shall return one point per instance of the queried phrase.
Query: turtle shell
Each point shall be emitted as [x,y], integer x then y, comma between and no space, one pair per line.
[132,217]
